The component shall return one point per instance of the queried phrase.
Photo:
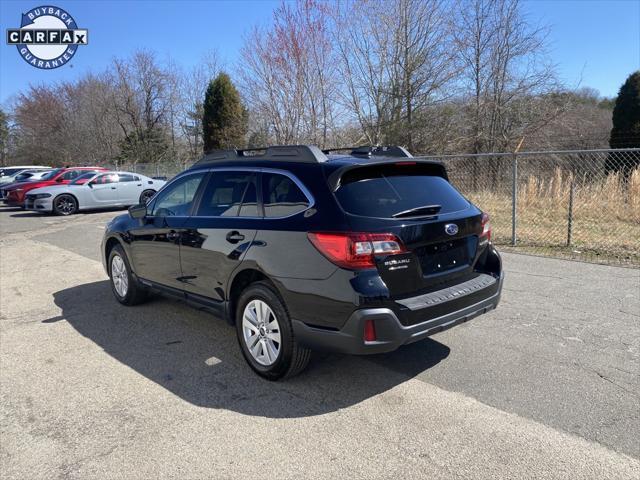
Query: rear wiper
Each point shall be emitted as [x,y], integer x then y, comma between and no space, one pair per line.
[424,211]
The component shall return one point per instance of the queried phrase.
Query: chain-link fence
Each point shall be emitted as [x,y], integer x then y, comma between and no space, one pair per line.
[572,204]
[160,170]
[582,204]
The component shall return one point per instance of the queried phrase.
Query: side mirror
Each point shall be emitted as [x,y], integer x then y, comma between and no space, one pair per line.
[138,211]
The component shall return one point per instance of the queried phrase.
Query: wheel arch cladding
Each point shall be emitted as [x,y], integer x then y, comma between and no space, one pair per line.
[240,282]
[109,245]
[67,194]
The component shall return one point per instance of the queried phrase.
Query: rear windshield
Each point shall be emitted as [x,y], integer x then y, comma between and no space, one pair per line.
[396,192]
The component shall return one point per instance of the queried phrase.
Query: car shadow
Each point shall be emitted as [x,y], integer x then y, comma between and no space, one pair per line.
[6,208]
[195,356]
[24,214]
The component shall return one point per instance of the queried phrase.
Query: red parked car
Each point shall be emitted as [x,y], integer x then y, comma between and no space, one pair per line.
[14,194]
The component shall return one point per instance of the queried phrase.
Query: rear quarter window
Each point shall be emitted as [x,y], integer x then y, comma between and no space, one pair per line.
[281,196]
[385,193]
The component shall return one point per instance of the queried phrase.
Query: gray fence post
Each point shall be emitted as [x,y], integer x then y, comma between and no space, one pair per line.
[570,213]
[514,199]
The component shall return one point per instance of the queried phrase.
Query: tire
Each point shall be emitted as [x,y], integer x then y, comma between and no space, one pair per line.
[65,204]
[146,196]
[291,358]
[124,285]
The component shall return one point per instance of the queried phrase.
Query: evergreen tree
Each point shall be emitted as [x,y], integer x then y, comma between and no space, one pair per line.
[626,125]
[224,121]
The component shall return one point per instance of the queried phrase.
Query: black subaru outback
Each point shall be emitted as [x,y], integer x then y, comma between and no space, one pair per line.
[357,252]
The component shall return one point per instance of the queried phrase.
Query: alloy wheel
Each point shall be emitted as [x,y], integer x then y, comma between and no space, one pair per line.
[261,332]
[146,196]
[119,275]
[65,205]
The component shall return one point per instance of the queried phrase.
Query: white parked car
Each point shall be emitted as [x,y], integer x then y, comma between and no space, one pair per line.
[10,174]
[23,176]
[31,175]
[93,191]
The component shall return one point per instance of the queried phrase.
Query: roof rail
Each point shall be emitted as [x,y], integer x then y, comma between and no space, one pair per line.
[371,150]
[292,153]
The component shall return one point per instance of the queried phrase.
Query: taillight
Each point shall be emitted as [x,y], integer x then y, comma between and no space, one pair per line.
[486,227]
[355,250]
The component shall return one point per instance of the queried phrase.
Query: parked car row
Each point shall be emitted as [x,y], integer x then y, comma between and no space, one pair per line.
[64,191]
[20,173]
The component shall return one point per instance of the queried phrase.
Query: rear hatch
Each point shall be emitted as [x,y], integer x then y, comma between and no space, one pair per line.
[413,200]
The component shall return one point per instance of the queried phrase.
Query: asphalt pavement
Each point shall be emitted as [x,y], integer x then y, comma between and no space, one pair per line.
[546,386]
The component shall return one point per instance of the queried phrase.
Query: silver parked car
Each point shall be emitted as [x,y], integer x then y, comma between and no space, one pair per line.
[12,174]
[23,176]
[93,191]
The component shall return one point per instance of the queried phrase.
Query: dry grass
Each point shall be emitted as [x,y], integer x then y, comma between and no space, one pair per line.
[606,217]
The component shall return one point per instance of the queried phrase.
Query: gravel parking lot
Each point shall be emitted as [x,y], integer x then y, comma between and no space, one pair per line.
[546,386]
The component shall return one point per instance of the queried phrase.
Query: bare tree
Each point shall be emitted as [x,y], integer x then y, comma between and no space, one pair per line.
[191,85]
[425,63]
[438,76]
[505,71]
[90,132]
[39,116]
[396,63]
[141,103]
[365,49]
[584,123]
[287,74]
[4,136]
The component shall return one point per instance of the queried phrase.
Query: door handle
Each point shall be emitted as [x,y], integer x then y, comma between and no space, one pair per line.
[113,188]
[172,235]
[234,237]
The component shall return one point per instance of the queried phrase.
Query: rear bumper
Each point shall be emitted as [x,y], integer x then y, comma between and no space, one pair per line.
[390,332]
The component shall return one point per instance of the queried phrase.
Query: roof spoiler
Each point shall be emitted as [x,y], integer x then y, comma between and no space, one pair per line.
[373,151]
[291,153]
[429,167]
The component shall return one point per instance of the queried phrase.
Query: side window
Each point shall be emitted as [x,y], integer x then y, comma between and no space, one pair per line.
[71,174]
[230,194]
[281,196]
[125,177]
[107,178]
[177,198]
